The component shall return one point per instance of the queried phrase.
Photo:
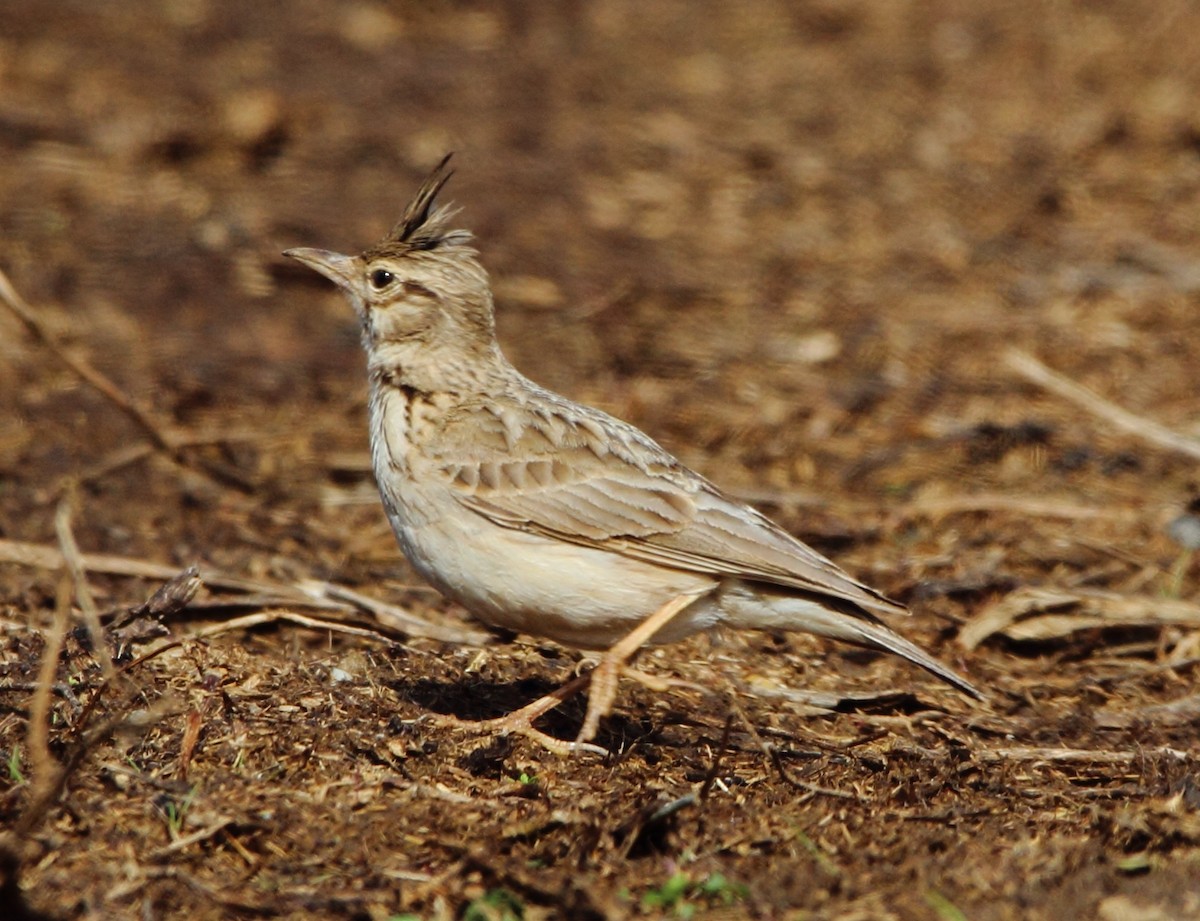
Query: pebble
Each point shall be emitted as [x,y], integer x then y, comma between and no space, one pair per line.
[1185,531]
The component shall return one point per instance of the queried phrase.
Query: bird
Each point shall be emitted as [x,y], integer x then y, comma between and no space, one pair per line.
[547,517]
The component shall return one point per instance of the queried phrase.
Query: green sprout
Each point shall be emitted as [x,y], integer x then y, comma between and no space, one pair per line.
[15,774]
[943,908]
[495,905]
[175,813]
[685,897]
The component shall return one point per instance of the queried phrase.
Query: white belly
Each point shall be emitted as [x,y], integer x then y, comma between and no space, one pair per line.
[575,595]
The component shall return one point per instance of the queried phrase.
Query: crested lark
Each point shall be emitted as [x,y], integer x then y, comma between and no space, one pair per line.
[550,518]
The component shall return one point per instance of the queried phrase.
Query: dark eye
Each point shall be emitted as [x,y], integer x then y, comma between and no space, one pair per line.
[381,278]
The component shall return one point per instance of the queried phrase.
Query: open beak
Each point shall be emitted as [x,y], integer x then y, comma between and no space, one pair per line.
[337,268]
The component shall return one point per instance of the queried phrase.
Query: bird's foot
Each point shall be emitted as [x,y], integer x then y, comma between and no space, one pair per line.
[603,680]
[520,722]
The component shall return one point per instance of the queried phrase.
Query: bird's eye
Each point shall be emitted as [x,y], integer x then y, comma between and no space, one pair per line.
[381,278]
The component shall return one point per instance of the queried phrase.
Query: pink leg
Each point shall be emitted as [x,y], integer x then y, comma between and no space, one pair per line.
[608,671]
[603,680]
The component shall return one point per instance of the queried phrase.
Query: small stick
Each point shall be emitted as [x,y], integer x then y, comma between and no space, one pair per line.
[254,620]
[46,556]
[46,794]
[1147,429]
[83,594]
[771,753]
[122,457]
[812,788]
[308,593]
[391,616]
[89,375]
[270,617]
[132,454]
[1074,755]
[187,841]
[45,769]
[159,437]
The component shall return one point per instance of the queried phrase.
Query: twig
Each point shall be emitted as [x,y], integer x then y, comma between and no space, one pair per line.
[666,810]
[49,777]
[270,617]
[157,434]
[255,620]
[1147,429]
[83,594]
[45,769]
[23,312]
[132,454]
[122,457]
[87,741]
[1069,755]
[188,840]
[311,594]
[46,556]
[394,617]
[771,753]
[174,786]
[814,789]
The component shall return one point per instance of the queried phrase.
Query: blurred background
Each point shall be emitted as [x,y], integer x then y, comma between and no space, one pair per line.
[695,210]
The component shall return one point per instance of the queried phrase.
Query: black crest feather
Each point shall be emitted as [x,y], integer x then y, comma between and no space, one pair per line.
[424,226]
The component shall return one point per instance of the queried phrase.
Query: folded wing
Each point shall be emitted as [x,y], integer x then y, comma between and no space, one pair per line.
[647,506]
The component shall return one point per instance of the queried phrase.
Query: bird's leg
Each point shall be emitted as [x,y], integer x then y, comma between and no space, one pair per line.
[607,673]
[603,681]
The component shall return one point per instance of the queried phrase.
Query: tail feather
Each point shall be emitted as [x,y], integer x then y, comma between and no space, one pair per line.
[880,636]
[746,609]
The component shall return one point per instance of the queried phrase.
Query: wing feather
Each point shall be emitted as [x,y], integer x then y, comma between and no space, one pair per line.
[675,519]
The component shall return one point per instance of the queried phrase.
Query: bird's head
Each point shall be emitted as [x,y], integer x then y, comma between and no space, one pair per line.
[421,295]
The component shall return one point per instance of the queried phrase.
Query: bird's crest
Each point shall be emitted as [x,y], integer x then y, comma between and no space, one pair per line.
[424,227]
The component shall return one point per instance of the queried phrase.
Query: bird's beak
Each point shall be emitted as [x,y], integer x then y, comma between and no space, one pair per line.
[337,268]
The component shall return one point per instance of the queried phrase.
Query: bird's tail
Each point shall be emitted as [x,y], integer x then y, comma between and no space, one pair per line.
[880,636]
[783,612]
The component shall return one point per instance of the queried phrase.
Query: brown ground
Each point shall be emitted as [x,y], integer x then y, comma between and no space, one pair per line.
[792,241]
